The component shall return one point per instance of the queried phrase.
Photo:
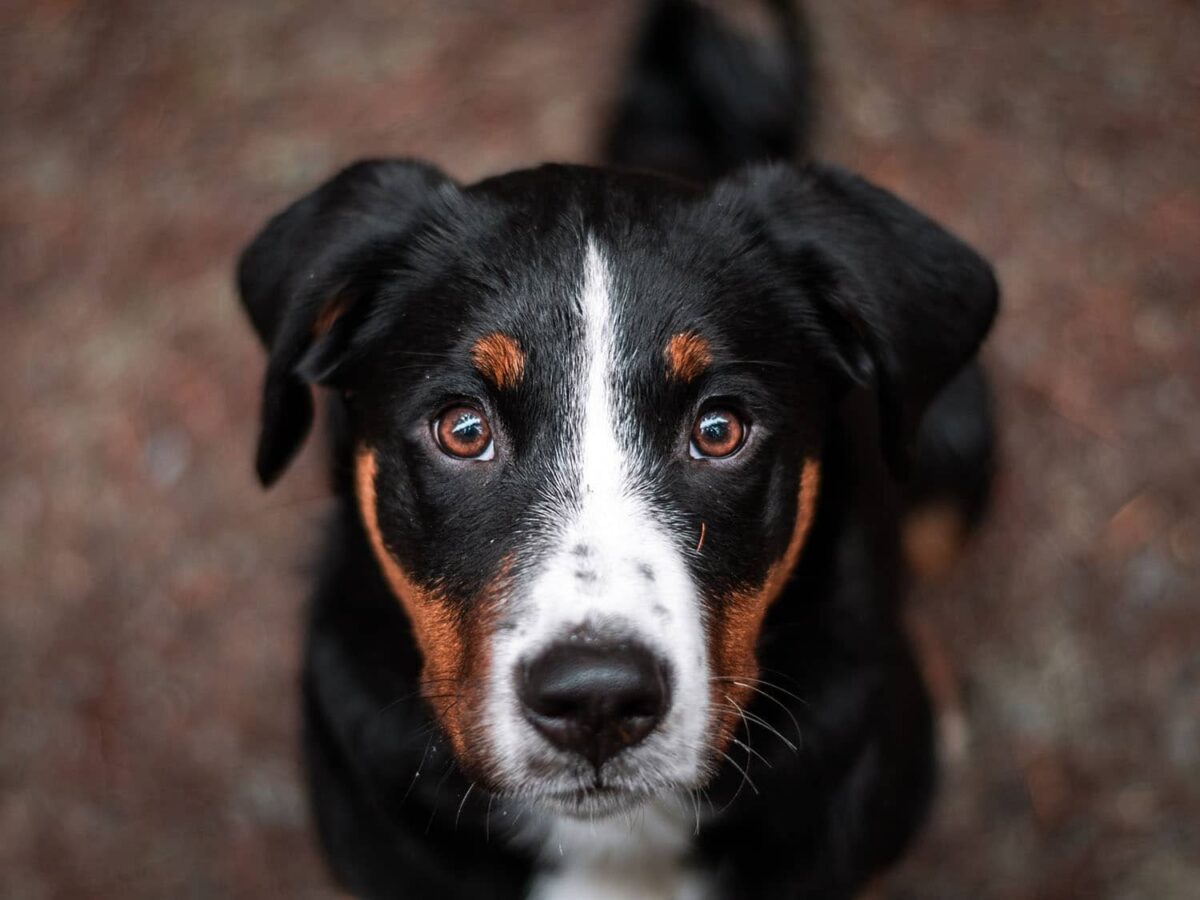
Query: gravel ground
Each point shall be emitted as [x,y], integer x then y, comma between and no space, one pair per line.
[150,593]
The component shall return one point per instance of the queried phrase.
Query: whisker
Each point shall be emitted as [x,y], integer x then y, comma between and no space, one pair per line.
[763,723]
[437,795]
[746,745]
[420,766]
[749,750]
[683,806]
[745,775]
[425,683]
[770,685]
[466,794]
[767,725]
[741,784]
[777,702]
[790,678]
[389,707]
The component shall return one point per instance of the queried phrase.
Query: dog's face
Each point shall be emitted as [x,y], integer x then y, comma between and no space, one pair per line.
[587,412]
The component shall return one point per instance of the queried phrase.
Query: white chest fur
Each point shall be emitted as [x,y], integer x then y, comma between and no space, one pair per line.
[643,856]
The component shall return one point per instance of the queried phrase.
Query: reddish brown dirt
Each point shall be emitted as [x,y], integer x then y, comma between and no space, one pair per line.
[150,593]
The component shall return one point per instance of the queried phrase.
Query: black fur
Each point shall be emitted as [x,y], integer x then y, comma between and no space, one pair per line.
[821,289]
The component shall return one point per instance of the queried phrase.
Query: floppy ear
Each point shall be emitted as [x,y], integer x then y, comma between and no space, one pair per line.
[304,276]
[906,303]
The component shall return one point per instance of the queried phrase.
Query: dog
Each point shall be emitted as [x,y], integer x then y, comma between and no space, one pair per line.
[610,605]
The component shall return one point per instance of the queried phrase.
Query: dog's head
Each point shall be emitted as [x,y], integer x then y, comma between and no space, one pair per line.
[588,411]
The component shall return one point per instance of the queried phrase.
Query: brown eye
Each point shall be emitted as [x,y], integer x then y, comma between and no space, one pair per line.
[463,432]
[716,434]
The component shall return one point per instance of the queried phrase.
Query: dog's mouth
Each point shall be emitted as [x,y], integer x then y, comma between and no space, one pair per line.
[595,800]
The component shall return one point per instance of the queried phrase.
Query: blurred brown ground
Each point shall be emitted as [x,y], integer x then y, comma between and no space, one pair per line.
[151,594]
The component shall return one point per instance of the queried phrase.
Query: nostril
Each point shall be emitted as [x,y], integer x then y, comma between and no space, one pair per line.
[643,698]
[595,699]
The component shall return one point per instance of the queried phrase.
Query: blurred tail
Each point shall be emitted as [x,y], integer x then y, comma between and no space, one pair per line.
[701,99]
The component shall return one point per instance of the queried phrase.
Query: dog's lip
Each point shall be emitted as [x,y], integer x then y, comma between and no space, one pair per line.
[593,798]
[592,790]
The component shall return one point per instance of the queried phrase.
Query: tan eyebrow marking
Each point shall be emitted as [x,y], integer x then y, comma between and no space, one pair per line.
[499,358]
[687,355]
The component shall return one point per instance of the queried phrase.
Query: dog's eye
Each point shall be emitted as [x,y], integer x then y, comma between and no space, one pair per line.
[464,433]
[717,433]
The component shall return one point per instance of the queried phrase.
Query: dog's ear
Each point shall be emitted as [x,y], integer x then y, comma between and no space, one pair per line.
[904,303]
[304,276]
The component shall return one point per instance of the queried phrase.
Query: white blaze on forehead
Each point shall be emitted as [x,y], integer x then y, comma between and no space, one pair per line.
[602,480]
[614,536]
[614,566]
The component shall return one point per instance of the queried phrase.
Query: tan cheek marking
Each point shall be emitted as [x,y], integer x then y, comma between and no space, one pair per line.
[466,724]
[425,608]
[499,359]
[455,649]
[687,355]
[733,635]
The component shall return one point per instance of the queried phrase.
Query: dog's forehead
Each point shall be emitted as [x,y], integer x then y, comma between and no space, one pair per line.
[505,296]
[545,327]
[673,296]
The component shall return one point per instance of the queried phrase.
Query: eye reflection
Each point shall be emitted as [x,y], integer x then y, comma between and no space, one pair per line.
[717,433]
[464,433]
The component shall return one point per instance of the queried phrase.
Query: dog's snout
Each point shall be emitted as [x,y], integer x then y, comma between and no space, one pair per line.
[595,699]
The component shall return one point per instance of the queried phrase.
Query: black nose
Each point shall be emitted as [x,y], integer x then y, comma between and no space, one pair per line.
[595,699]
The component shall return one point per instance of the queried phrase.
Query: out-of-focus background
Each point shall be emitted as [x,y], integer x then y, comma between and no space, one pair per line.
[151,594]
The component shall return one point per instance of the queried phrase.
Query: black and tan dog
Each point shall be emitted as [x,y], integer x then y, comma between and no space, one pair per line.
[609,607]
